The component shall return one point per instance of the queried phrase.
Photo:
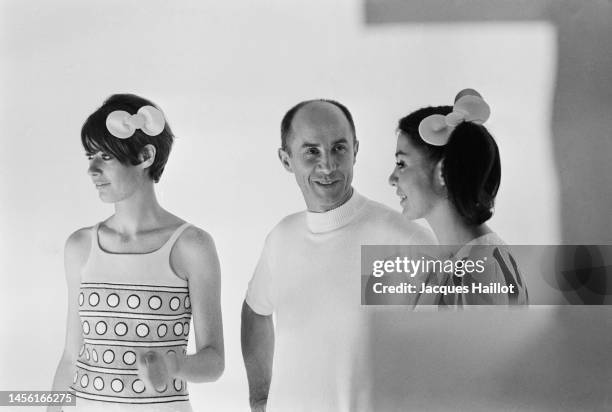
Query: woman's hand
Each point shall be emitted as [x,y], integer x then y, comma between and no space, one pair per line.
[157,370]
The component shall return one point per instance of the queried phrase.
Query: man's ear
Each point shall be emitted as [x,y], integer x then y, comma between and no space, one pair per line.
[355,150]
[147,156]
[285,159]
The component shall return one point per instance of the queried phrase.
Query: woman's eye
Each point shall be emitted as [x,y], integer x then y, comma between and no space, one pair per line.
[399,164]
[103,156]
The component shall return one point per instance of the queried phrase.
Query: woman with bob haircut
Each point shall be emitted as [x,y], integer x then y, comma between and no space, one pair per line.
[448,172]
[135,279]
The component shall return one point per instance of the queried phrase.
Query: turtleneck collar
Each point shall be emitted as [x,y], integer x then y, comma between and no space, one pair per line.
[335,218]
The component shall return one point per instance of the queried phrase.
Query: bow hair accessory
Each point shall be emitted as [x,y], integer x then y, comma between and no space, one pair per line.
[469,107]
[149,119]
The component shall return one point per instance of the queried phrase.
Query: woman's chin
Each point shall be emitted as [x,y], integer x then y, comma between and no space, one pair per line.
[411,214]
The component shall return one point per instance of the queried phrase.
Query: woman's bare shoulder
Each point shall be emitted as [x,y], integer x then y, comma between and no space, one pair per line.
[78,244]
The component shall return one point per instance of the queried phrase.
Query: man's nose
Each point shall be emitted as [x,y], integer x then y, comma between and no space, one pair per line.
[327,163]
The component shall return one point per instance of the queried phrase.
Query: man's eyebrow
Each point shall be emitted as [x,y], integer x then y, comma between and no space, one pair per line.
[306,144]
[340,140]
[309,144]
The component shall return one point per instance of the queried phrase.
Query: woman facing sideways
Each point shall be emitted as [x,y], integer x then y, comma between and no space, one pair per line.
[448,172]
[135,279]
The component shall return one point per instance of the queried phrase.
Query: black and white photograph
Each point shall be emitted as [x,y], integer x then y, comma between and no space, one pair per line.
[306,206]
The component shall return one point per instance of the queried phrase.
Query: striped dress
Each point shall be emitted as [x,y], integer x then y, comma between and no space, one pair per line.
[501,269]
[130,304]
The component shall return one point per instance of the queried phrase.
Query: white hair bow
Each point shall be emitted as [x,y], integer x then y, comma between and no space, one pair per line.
[149,119]
[469,107]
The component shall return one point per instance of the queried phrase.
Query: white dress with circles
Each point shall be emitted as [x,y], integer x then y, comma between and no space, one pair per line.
[130,304]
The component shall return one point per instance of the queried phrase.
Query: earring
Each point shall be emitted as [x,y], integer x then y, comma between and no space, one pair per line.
[441,178]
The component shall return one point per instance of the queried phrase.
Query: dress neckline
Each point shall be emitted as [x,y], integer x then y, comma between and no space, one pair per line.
[168,242]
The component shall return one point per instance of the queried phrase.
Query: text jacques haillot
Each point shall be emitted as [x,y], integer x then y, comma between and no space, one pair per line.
[419,271]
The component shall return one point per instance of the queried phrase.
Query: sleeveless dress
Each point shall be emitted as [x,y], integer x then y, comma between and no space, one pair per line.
[501,268]
[130,304]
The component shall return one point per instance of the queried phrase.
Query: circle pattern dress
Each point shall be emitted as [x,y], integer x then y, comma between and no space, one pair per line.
[130,304]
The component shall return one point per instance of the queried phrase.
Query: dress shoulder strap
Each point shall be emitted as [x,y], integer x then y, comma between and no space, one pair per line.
[94,248]
[94,238]
[179,231]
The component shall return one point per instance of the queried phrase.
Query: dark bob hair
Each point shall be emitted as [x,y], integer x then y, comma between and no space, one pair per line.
[471,165]
[287,121]
[96,137]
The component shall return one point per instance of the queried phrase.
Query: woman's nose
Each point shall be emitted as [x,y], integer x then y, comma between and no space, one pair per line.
[94,168]
[393,179]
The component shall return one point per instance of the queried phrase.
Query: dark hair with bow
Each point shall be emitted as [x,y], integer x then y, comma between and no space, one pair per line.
[471,166]
[96,137]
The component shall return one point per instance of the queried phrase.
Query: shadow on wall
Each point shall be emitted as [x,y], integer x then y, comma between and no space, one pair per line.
[540,358]
[581,121]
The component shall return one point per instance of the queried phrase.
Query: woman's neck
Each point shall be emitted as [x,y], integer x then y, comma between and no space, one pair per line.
[450,228]
[140,212]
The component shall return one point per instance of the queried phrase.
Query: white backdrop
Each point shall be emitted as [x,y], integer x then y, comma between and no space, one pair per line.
[225,73]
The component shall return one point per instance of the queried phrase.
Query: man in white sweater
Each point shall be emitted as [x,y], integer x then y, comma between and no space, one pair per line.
[314,357]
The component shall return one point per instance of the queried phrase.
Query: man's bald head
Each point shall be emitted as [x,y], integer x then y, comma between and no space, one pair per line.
[313,106]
